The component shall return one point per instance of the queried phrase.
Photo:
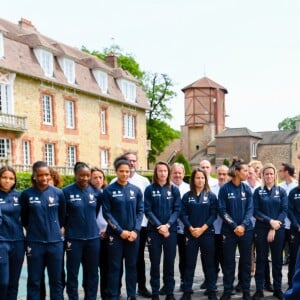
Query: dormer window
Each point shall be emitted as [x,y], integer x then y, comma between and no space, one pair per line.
[101,78]
[128,89]
[45,59]
[1,45]
[68,67]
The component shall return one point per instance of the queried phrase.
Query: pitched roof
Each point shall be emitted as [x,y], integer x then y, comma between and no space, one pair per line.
[19,41]
[235,132]
[278,137]
[205,82]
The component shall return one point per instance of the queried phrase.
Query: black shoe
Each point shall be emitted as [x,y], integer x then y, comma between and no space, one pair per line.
[170,297]
[144,292]
[238,288]
[246,296]
[131,298]
[226,296]
[212,296]
[268,287]
[278,294]
[186,296]
[162,291]
[203,285]
[259,295]
[155,297]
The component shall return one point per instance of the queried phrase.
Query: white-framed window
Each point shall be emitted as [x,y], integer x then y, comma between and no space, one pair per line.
[129,126]
[45,59]
[254,149]
[70,114]
[49,154]
[71,155]
[5,148]
[1,45]
[26,152]
[47,109]
[101,78]
[68,67]
[104,158]
[103,121]
[128,89]
[6,93]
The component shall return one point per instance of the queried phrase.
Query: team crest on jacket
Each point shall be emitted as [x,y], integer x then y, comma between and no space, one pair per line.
[51,201]
[243,194]
[16,200]
[131,193]
[276,192]
[169,193]
[92,200]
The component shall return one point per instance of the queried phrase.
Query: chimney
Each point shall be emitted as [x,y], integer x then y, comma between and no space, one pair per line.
[111,60]
[26,24]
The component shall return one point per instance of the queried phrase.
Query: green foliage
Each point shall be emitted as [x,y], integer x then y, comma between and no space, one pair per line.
[160,134]
[24,180]
[181,159]
[159,92]
[226,162]
[288,123]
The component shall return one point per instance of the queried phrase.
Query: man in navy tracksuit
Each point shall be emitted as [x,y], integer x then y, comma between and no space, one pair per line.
[123,209]
[82,233]
[162,208]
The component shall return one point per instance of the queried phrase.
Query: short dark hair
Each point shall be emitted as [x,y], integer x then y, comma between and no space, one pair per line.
[289,168]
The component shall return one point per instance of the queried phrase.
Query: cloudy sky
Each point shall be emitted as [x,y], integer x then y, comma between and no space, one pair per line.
[252,48]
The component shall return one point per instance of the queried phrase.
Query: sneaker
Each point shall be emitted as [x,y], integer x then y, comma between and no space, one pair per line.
[212,296]
[203,285]
[268,287]
[246,296]
[170,297]
[144,292]
[226,296]
[186,296]
[259,295]
[278,294]
[238,288]
[162,291]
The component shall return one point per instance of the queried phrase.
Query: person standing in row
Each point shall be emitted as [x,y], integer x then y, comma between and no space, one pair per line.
[123,210]
[177,176]
[82,233]
[222,177]
[270,211]
[12,247]
[162,208]
[141,182]
[294,216]
[236,210]
[199,211]
[98,182]
[43,214]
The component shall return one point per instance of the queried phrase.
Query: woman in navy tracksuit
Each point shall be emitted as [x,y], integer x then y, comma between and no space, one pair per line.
[12,248]
[236,210]
[294,216]
[123,210]
[43,214]
[82,233]
[270,210]
[199,211]
[162,208]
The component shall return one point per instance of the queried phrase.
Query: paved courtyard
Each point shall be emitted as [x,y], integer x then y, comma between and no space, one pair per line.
[198,294]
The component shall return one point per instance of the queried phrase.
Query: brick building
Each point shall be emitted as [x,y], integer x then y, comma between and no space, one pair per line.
[62,105]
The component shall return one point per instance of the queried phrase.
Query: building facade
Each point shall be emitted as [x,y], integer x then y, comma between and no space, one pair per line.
[62,105]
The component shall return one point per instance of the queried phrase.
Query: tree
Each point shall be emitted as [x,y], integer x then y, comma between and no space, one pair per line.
[159,92]
[288,123]
[181,159]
